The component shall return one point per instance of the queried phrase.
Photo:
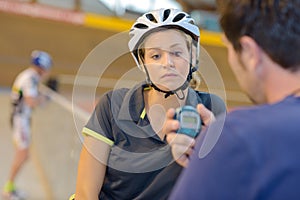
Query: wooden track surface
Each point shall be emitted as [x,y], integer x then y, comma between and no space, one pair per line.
[71,44]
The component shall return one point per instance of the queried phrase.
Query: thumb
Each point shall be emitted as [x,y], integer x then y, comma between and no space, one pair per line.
[170,113]
[206,115]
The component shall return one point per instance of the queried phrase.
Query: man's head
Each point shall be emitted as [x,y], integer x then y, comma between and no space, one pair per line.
[260,34]
[273,24]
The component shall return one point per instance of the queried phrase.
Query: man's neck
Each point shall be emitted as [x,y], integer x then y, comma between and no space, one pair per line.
[282,83]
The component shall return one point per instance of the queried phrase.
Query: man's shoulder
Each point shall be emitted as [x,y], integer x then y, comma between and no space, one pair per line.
[268,112]
[257,110]
[244,116]
[254,120]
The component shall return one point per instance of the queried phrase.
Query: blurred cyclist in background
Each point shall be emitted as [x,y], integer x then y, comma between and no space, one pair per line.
[25,97]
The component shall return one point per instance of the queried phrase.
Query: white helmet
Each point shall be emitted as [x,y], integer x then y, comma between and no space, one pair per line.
[41,59]
[168,18]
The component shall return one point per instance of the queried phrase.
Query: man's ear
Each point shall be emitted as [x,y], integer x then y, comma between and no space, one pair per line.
[251,53]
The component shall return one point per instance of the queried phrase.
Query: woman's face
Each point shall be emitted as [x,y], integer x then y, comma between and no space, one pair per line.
[167,58]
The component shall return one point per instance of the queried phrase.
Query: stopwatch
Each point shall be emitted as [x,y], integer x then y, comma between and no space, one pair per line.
[190,121]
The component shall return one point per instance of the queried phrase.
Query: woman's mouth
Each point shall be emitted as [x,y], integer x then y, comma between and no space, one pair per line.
[169,75]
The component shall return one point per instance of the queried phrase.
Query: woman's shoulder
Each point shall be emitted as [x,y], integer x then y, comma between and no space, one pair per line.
[116,92]
[123,91]
[212,101]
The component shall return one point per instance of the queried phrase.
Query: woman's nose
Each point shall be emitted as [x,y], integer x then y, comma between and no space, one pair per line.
[168,60]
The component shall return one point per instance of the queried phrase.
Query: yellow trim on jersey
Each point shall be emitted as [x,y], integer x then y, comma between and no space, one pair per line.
[143,114]
[15,89]
[96,135]
[72,197]
[147,88]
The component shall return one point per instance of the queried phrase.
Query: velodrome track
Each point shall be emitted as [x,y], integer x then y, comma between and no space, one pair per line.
[51,171]
[70,44]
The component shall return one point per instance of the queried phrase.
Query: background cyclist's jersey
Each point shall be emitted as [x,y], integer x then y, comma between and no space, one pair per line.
[26,84]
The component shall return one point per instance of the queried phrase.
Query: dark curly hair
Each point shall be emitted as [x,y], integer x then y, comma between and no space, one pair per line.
[273,24]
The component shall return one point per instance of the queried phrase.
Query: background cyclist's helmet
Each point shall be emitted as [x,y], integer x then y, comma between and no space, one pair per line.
[41,59]
[162,18]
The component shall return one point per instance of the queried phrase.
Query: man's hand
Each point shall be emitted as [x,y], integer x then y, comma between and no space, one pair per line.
[181,144]
[206,115]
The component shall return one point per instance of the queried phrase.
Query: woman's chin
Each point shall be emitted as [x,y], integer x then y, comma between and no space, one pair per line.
[168,87]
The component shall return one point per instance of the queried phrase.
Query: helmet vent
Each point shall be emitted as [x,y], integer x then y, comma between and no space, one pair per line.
[191,22]
[166,14]
[141,26]
[179,17]
[151,18]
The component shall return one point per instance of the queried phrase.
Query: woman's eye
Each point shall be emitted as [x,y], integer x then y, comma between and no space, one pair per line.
[176,53]
[155,57]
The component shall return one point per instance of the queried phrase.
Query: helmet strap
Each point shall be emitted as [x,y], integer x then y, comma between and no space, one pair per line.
[180,96]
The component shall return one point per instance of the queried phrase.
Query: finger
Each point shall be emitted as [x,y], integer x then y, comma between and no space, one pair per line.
[170,125]
[180,139]
[170,113]
[206,115]
[183,161]
[181,154]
